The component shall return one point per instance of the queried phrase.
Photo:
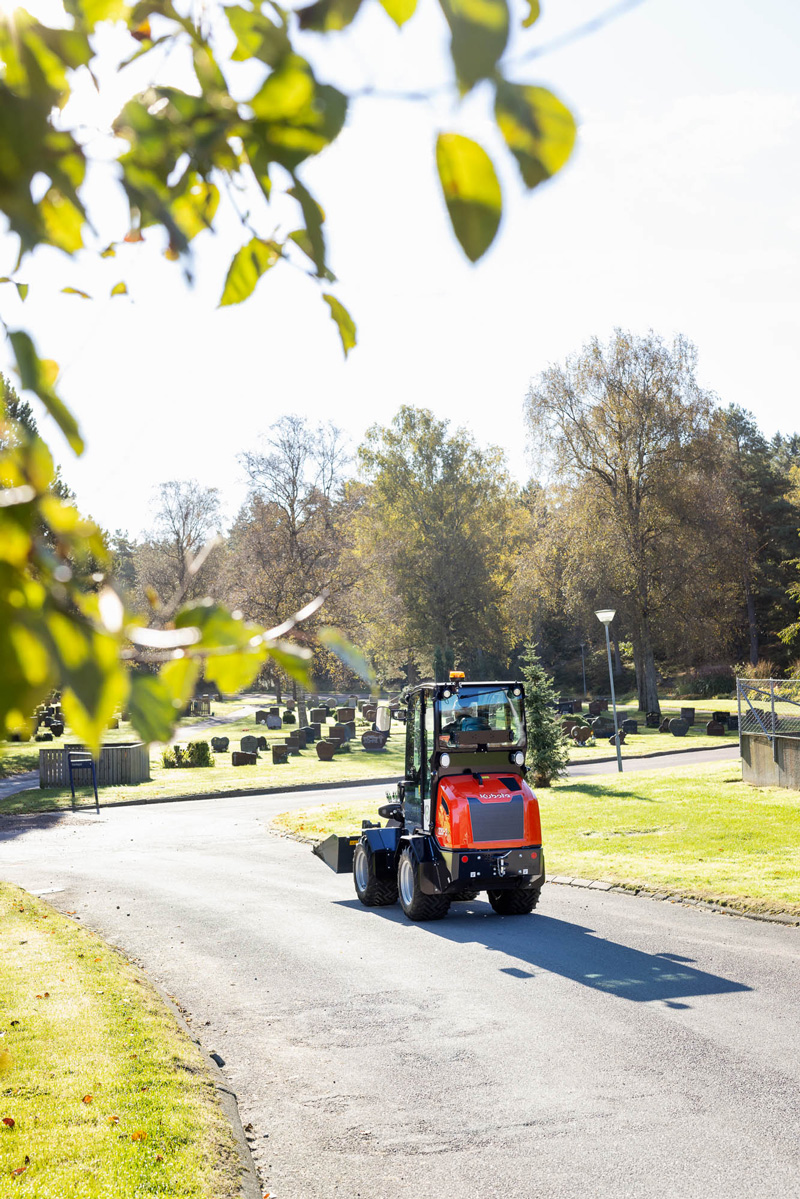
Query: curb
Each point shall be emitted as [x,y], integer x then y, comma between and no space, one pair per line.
[657,753]
[789,920]
[249,1182]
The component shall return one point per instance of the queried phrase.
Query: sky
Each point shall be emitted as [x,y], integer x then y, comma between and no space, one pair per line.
[678,212]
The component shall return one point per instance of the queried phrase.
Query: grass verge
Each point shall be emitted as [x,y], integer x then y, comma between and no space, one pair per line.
[698,833]
[101,1094]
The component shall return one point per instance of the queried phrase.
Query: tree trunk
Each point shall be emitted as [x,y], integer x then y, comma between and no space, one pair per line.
[751,622]
[647,676]
[278,693]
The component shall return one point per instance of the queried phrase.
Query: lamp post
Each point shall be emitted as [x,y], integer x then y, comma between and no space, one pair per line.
[605,616]
[583,664]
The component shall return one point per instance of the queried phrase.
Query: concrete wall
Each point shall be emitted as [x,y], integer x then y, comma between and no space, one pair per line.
[759,766]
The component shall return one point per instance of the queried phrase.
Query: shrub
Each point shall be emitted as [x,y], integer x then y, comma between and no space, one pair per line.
[763,669]
[548,749]
[196,753]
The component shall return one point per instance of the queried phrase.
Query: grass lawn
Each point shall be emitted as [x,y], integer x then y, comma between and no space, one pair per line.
[101,1094]
[700,833]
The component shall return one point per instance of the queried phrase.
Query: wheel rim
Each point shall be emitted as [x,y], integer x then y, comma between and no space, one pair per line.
[406,881]
[361,869]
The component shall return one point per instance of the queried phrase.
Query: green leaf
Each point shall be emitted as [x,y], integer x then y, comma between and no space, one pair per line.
[75,291]
[94,683]
[293,659]
[471,192]
[313,217]
[400,10]
[232,672]
[257,36]
[63,221]
[327,15]
[153,712]
[479,32]
[539,130]
[22,288]
[348,653]
[248,265]
[344,323]
[179,677]
[37,375]
[533,15]
[119,289]
[288,92]
[193,210]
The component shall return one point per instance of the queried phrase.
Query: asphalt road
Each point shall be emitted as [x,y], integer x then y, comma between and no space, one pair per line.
[604,1046]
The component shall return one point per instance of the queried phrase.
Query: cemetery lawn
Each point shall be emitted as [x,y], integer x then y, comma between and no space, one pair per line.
[101,1093]
[698,833]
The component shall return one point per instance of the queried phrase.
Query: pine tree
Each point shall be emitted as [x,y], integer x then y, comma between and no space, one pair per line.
[548,749]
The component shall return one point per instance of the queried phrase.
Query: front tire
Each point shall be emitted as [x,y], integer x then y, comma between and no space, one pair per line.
[514,903]
[415,904]
[373,892]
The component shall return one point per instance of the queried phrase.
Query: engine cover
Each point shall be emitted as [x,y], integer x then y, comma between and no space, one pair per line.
[490,811]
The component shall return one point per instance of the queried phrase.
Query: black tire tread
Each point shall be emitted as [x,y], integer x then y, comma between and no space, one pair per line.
[378,893]
[514,903]
[424,907]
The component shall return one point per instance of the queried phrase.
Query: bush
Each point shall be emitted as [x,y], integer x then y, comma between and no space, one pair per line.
[707,682]
[196,753]
[548,749]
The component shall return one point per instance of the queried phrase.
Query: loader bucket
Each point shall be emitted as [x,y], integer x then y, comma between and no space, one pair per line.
[337,852]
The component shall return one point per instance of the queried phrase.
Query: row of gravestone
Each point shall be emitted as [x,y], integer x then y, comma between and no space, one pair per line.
[720,723]
[250,746]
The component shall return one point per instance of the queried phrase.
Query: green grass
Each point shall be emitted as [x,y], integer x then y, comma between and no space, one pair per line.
[107,1096]
[701,833]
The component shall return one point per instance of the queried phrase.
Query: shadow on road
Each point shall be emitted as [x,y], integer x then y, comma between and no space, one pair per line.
[558,947]
[16,825]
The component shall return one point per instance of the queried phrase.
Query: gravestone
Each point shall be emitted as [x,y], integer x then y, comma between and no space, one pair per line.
[577,705]
[262,743]
[664,726]
[249,744]
[617,736]
[261,717]
[317,727]
[715,728]
[301,738]
[220,744]
[630,726]
[652,720]
[602,727]
[679,728]
[280,755]
[369,712]
[373,741]
[582,734]
[290,704]
[326,750]
[57,728]
[302,714]
[688,714]
[311,736]
[274,711]
[338,733]
[568,724]
[43,737]
[293,745]
[720,717]
[319,715]
[351,729]
[733,723]
[241,758]
[289,718]
[595,707]
[603,705]
[274,722]
[344,715]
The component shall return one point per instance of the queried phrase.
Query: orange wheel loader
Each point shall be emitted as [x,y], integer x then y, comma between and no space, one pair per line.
[465,820]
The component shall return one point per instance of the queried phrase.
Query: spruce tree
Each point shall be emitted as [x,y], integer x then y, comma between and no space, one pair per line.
[548,748]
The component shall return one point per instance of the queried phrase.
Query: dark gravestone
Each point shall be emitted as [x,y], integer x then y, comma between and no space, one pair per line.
[240,758]
[595,707]
[262,743]
[48,720]
[280,755]
[577,705]
[261,717]
[293,745]
[57,728]
[274,721]
[326,750]
[301,738]
[603,705]
[652,720]
[345,715]
[602,727]
[688,714]
[568,724]
[617,736]
[274,711]
[630,726]
[733,723]
[220,744]
[318,715]
[373,742]
[351,729]
[715,728]
[317,727]
[290,705]
[679,728]
[249,745]
[369,712]
[720,717]
[338,733]
[664,726]
[310,735]
[289,718]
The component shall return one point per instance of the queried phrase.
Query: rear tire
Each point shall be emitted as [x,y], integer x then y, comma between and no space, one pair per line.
[414,903]
[464,896]
[373,892]
[514,903]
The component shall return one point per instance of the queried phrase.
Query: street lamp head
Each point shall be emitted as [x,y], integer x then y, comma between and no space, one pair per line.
[606,615]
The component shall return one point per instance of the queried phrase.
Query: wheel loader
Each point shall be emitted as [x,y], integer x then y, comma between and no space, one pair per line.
[464,820]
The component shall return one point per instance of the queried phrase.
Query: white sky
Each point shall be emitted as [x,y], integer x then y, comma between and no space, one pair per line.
[678,212]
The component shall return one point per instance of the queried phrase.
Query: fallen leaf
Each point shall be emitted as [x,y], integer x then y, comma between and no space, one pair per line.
[47,994]
[113,1119]
[86,1099]
[159,1158]
[139,1135]
[6,1061]
[19,1170]
[9,1121]
[15,1022]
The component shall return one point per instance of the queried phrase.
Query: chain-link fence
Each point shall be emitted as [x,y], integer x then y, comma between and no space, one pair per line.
[769,707]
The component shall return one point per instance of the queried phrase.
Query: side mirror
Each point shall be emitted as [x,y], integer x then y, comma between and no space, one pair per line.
[391,811]
[383,719]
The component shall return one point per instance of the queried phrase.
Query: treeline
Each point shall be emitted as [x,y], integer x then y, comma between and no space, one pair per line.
[649,496]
